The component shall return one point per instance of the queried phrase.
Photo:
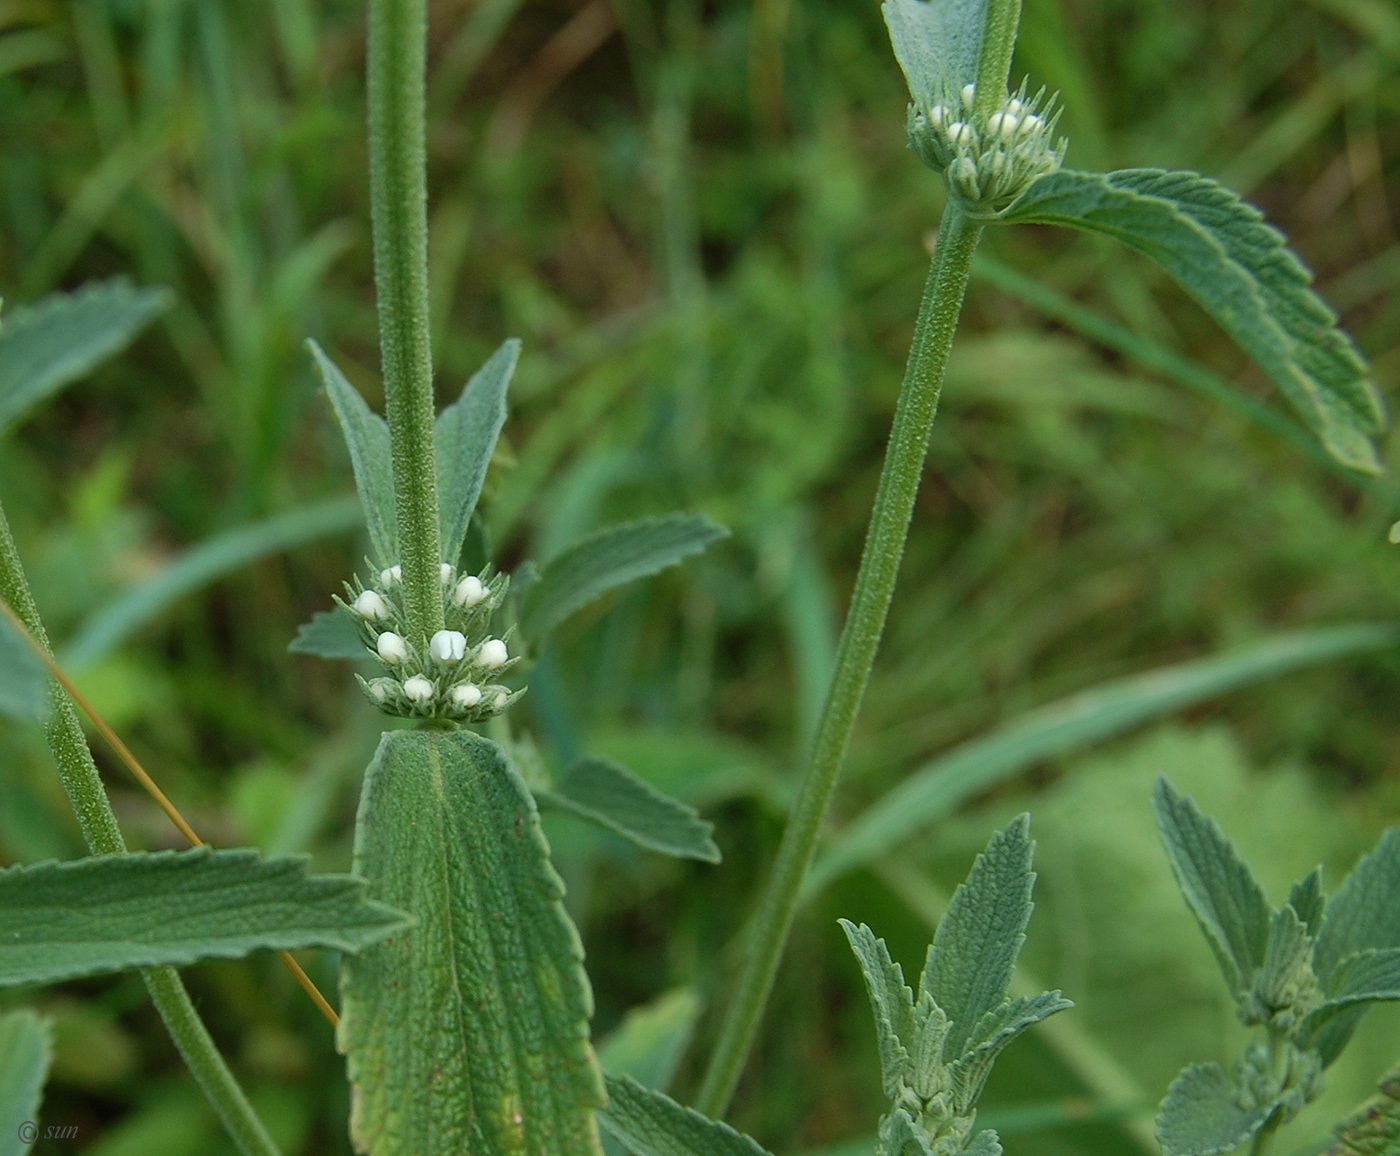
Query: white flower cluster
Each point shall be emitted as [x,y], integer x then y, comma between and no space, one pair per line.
[456,677]
[989,164]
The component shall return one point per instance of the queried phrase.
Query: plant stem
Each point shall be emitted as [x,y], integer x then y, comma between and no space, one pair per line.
[399,216]
[102,834]
[994,63]
[870,601]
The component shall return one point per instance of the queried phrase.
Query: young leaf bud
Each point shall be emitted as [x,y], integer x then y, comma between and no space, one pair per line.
[418,688]
[469,592]
[370,605]
[466,694]
[448,646]
[492,654]
[392,649]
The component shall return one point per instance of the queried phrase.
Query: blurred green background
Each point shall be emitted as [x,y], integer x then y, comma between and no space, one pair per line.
[704,224]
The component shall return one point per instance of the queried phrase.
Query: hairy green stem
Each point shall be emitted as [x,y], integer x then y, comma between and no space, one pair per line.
[994,64]
[870,601]
[98,823]
[399,217]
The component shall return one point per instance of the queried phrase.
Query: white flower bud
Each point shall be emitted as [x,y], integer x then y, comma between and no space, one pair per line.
[370,605]
[466,694]
[1002,124]
[469,592]
[379,688]
[935,115]
[448,646]
[388,577]
[1015,107]
[968,92]
[445,572]
[392,649]
[1029,124]
[492,654]
[500,701]
[418,688]
[960,133]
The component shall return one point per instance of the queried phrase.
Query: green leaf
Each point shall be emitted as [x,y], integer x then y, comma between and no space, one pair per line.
[609,559]
[469,1032]
[650,1123]
[1374,1128]
[26,1049]
[968,1074]
[367,438]
[985,1143]
[24,680]
[974,950]
[59,339]
[1218,885]
[1364,978]
[940,787]
[465,436]
[329,634]
[1363,913]
[218,555]
[937,44]
[111,912]
[613,797]
[1307,899]
[899,1134]
[1199,1117]
[1288,951]
[1240,270]
[891,1003]
[651,1039]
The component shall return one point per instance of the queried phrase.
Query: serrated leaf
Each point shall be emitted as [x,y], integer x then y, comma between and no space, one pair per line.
[24,680]
[111,912]
[891,1003]
[57,340]
[468,1032]
[1364,978]
[650,1123]
[969,964]
[1307,899]
[1218,885]
[26,1050]
[465,436]
[937,44]
[1363,913]
[899,1135]
[329,634]
[985,1143]
[367,438]
[1200,1117]
[968,1074]
[1288,950]
[1374,1128]
[1240,270]
[609,559]
[610,795]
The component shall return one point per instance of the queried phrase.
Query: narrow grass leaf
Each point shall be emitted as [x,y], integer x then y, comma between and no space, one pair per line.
[1200,1117]
[26,1050]
[23,677]
[609,559]
[1059,728]
[367,438]
[57,340]
[329,634]
[610,795]
[937,44]
[221,554]
[650,1041]
[1240,270]
[465,436]
[650,1123]
[468,1032]
[111,912]
[974,950]
[891,1003]
[1374,1128]
[1217,883]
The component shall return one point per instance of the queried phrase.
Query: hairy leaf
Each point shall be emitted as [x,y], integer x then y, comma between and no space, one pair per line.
[468,1032]
[899,1134]
[111,912]
[891,1003]
[1307,899]
[609,559]
[1240,270]
[1289,948]
[1364,978]
[1374,1128]
[610,795]
[26,1049]
[1200,1117]
[650,1123]
[329,634]
[367,438]
[465,436]
[938,788]
[1363,913]
[57,340]
[969,964]
[996,1029]
[985,1143]
[1218,885]
[937,44]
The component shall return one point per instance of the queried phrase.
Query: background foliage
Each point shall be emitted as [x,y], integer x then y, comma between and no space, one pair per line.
[702,221]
